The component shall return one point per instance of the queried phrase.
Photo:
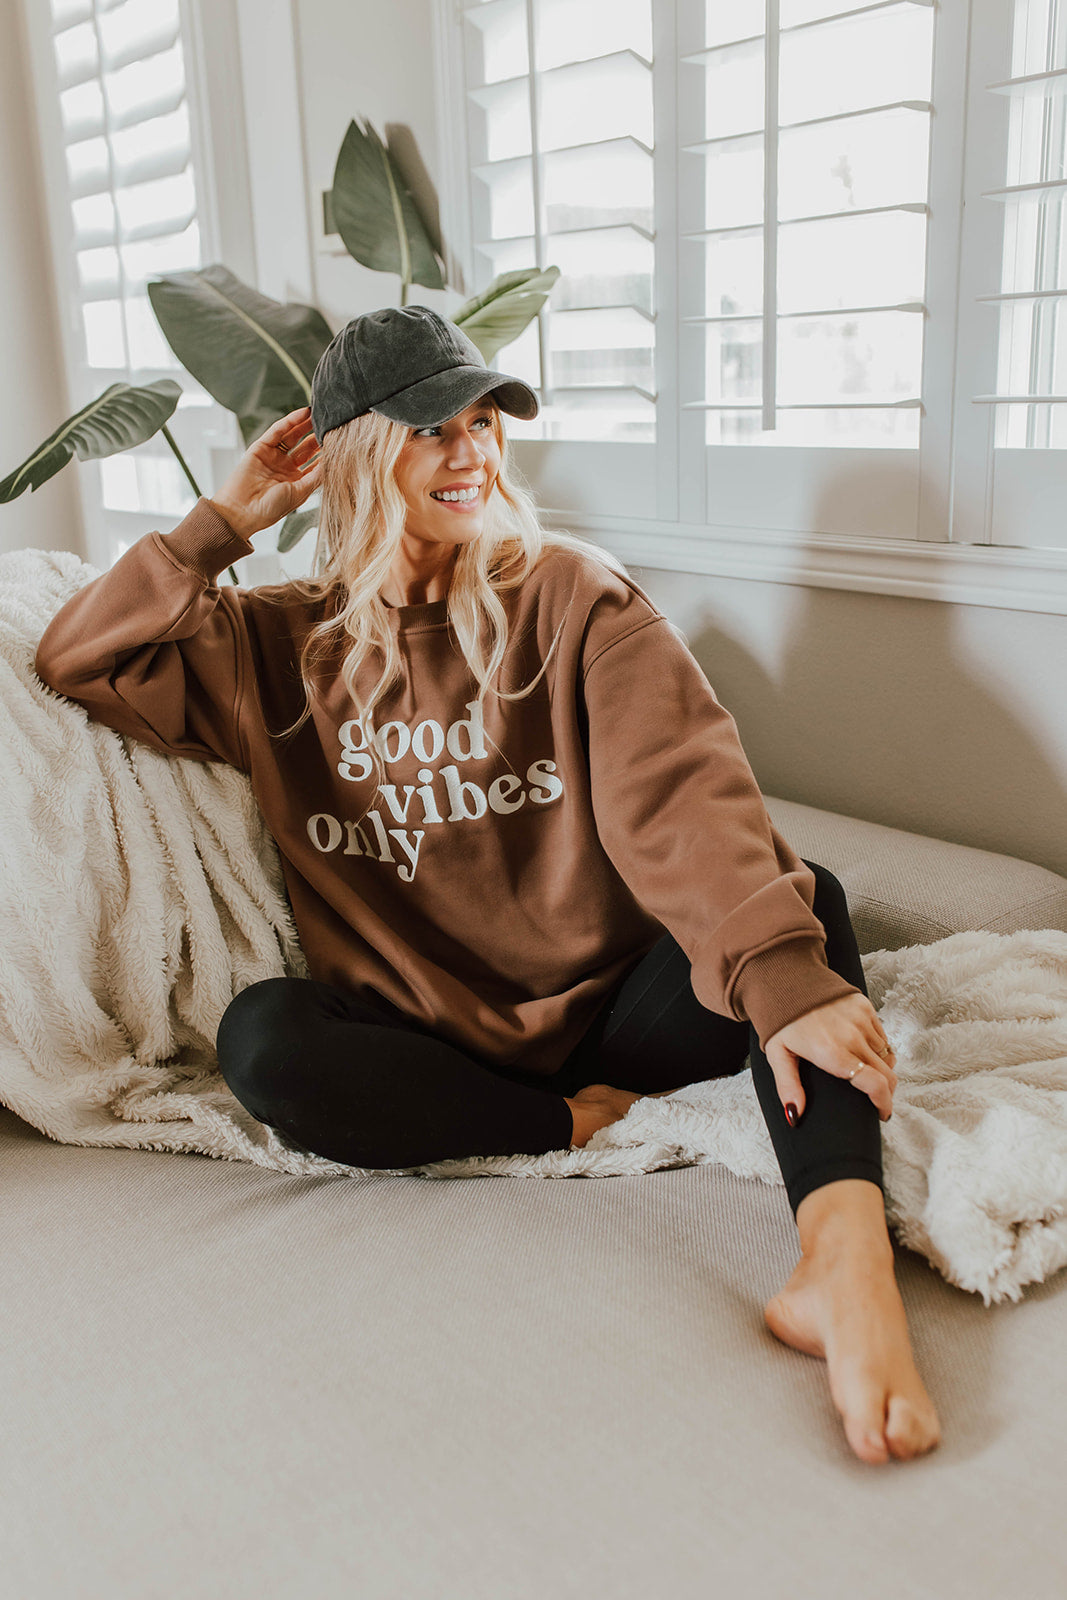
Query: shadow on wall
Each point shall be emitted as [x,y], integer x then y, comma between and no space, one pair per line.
[882,706]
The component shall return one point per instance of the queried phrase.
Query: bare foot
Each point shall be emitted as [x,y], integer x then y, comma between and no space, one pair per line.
[595,1107]
[598,1105]
[844,1305]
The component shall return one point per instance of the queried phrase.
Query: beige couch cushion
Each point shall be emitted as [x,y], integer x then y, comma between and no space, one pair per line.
[223,1383]
[904,888]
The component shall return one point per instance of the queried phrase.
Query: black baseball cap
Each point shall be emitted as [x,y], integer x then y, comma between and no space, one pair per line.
[409,364]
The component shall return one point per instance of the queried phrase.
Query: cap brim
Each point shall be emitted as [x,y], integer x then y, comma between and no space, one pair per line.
[444,395]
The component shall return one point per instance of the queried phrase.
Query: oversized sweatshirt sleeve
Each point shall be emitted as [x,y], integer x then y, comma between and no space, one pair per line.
[680,814]
[154,648]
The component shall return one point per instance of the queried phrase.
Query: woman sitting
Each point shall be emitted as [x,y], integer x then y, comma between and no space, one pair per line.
[531,870]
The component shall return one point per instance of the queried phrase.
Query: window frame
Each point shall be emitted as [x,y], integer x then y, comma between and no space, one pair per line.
[952,555]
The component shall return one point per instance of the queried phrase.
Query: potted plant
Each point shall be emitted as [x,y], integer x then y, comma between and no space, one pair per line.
[256,356]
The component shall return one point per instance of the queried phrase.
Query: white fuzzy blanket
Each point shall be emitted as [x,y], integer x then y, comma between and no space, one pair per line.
[140,893]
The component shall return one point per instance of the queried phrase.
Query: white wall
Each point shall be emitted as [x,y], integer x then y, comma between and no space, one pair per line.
[33,398]
[943,719]
[358,59]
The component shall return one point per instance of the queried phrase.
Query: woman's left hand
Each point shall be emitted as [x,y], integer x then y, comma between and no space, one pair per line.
[276,474]
[834,1037]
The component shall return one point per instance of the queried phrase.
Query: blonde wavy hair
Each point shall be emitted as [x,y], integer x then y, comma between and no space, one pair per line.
[361,525]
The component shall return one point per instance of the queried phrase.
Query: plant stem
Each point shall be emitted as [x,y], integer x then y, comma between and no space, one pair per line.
[404,287]
[181,460]
[192,481]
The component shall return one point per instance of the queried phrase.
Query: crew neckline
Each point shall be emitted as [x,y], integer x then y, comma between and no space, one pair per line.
[425,612]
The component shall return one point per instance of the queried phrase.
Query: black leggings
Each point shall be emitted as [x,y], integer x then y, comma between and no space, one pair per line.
[361,1084]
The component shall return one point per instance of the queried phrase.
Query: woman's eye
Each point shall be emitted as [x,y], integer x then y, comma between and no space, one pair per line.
[420,433]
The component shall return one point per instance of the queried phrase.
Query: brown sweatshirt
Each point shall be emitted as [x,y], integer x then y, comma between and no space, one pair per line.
[521,856]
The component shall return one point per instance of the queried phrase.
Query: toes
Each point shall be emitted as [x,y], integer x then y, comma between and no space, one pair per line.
[906,1429]
[910,1431]
[866,1440]
[863,1415]
[861,1400]
[903,1428]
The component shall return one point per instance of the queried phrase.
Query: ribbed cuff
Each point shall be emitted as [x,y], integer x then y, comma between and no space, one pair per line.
[776,986]
[205,543]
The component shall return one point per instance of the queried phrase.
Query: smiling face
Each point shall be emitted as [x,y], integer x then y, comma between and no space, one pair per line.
[446,474]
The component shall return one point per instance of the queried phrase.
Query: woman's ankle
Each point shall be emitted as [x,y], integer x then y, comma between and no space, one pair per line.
[846,1212]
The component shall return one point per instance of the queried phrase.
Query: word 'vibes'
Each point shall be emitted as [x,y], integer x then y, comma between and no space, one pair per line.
[462,801]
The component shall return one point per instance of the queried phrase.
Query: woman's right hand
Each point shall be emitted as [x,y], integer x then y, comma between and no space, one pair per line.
[276,474]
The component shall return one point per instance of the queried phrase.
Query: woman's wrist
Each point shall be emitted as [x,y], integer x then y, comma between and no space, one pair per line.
[234,515]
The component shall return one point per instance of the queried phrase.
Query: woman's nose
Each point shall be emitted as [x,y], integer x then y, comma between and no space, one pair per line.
[465,451]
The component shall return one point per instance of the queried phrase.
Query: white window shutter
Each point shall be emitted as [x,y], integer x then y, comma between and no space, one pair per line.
[133,208]
[805,129]
[834,211]
[560,138]
[1028,398]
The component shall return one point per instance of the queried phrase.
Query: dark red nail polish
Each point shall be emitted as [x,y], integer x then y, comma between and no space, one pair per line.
[791,1114]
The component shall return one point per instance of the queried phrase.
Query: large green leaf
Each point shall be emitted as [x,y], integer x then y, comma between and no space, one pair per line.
[295,526]
[253,354]
[116,420]
[375,214]
[493,319]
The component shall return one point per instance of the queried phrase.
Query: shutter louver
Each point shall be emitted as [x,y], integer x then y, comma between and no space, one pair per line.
[560,124]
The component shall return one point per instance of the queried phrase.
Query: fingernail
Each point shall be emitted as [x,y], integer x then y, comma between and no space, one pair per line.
[791,1114]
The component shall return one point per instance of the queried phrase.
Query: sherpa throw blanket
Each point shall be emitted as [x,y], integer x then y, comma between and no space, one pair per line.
[140,893]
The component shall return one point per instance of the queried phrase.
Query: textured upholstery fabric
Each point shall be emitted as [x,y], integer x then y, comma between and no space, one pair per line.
[904,888]
[473,1389]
